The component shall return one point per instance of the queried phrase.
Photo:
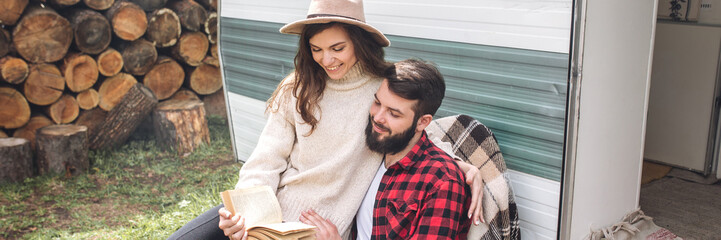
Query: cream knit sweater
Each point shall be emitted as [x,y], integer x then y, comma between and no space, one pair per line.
[328,171]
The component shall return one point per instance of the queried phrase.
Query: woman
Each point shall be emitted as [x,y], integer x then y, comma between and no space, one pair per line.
[312,149]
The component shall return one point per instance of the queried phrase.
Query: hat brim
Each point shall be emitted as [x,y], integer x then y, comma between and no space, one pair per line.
[297,27]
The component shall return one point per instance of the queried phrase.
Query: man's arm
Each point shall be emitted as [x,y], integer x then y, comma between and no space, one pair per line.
[442,215]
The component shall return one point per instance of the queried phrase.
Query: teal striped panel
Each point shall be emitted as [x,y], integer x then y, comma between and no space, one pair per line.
[520,94]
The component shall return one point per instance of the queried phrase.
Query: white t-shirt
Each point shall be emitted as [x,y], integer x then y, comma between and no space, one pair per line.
[364,217]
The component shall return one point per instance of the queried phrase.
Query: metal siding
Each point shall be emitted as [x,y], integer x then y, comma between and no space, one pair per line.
[519,94]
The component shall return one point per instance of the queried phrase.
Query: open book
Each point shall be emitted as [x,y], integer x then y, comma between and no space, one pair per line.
[263,218]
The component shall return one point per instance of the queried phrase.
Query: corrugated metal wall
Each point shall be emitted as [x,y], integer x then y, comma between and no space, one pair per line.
[519,94]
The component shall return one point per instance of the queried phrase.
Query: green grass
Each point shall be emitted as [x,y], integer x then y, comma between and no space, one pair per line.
[136,191]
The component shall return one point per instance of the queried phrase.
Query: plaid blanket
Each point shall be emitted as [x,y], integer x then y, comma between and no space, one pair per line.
[467,139]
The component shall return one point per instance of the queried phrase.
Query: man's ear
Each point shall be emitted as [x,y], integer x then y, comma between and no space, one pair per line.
[423,122]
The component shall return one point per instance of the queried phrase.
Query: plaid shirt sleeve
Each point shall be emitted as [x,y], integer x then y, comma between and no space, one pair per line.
[440,216]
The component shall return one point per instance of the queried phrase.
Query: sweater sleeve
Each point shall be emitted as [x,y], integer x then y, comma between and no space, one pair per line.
[272,153]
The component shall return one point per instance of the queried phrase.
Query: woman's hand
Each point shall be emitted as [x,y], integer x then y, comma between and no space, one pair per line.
[233,227]
[324,228]
[473,179]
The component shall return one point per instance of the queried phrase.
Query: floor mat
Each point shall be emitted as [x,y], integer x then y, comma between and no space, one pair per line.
[690,210]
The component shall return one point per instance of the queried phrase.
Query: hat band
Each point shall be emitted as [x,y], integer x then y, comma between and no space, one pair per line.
[332,15]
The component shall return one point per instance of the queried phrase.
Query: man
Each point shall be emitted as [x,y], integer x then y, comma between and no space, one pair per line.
[421,191]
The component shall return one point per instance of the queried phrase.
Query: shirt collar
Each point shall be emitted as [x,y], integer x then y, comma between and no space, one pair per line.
[415,152]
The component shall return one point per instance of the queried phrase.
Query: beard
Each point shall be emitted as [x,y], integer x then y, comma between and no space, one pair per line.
[391,144]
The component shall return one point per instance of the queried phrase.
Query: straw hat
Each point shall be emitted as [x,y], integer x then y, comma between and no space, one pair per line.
[345,11]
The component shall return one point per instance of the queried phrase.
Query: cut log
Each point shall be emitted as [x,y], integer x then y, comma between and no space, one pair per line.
[163,28]
[80,71]
[211,27]
[181,125]
[113,89]
[184,94]
[92,119]
[205,79]
[10,11]
[99,4]
[65,110]
[92,31]
[44,84]
[215,104]
[15,110]
[110,62]
[165,78]
[209,4]
[139,56]
[42,35]
[16,160]
[3,134]
[128,20]
[28,131]
[191,48]
[150,5]
[214,51]
[6,42]
[88,99]
[122,120]
[62,149]
[192,15]
[62,3]
[14,70]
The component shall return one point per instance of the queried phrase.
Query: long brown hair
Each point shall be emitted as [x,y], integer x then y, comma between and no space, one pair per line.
[310,78]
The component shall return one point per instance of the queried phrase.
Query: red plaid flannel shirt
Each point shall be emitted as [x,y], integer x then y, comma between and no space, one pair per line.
[422,196]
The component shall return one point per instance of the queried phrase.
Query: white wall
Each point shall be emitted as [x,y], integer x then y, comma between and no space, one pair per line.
[542,25]
[614,87]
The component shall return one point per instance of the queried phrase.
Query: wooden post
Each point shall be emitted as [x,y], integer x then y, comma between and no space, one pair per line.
[14,70]
[181,125]
[15,110]
[80,71]
[165,78]
[62,148]
[42,27]
[91,29]
[124,118]
[31,128]
[139,56]
[10,11]
[163,28]
[16,159]
[110,62]
[44,85]
[128,20]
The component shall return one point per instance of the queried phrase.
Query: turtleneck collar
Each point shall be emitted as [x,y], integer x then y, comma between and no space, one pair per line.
[354,78]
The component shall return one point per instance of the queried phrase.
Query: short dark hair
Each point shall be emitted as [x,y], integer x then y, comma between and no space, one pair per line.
[415,79]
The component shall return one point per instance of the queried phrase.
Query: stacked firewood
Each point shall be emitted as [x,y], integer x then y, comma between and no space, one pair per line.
[104,64]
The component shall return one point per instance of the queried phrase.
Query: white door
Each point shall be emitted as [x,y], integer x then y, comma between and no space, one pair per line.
[683,83]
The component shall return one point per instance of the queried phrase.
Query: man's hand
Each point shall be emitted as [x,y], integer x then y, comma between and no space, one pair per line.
[473,179]
[233,227]
[325,229]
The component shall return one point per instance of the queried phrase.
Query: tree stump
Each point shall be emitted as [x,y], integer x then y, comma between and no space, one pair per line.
[163,28]
[91,29]
[16,159]
[181,125]
[14,70]
[110,62]
[62,149]
[15,110]
[28,131]
[42,35]
[124,118]
[165,78]
[88,99]
[44,85]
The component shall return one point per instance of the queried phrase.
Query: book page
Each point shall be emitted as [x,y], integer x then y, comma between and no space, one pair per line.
[257,204]
[287,227]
